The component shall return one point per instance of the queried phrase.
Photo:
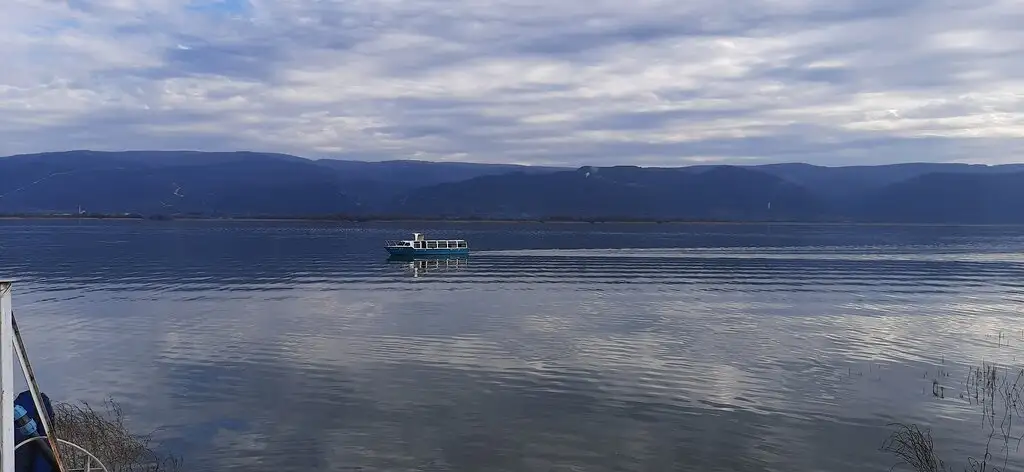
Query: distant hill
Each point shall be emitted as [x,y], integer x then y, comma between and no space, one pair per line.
[723,193]
[169,183]
[843,182]
[265,184]
[215,183]
[970,198]
[373,184]
[418,173]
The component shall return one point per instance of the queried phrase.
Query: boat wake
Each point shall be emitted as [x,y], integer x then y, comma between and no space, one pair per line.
[852,253]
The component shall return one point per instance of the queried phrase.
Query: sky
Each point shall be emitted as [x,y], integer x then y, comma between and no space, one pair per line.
[565,82]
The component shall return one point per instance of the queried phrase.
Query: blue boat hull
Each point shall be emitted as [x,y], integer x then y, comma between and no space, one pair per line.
[412,252]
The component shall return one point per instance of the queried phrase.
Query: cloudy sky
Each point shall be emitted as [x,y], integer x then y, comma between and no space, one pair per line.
[572,82]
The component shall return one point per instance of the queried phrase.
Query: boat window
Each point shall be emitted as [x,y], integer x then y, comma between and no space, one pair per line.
[431,244]
[462,244]
[418,244]
[442,244]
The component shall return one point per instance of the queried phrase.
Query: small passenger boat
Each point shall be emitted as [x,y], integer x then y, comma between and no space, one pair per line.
[420,246]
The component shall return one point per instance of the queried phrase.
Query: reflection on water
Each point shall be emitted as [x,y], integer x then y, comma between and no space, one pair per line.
[422,265]
[635,347]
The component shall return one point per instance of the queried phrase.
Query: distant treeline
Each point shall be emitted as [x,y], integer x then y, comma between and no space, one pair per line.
[57,216]
[366,218]
[192,185]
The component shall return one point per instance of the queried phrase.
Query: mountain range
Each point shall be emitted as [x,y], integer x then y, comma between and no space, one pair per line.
[252,184]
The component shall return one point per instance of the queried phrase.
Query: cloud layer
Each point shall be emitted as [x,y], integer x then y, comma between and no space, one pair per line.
[647,82]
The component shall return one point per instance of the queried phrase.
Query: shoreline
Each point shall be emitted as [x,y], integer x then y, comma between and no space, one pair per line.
[357,220]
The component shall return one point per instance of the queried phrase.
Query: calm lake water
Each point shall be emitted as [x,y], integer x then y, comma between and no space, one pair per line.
[558,347]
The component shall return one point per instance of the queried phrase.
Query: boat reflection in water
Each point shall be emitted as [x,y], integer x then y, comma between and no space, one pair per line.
[422,265]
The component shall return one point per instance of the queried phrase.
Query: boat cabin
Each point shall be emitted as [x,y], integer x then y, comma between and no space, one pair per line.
[418,242]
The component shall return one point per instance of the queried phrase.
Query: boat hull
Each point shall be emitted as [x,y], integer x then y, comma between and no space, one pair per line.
[412,252]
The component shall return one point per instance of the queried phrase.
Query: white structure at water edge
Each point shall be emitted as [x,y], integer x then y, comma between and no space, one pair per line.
[9,340]
[6,379]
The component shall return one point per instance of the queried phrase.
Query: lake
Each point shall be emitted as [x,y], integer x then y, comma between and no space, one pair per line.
[553,347]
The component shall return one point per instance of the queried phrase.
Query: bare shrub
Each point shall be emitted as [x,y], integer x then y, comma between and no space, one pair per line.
[104,434]
[999,392]
[914,448]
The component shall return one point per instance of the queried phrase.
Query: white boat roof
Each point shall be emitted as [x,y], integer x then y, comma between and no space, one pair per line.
[419,237]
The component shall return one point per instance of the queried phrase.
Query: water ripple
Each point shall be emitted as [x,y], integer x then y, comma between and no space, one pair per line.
[663,347]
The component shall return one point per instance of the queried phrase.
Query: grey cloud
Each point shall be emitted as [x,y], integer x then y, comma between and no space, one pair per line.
[570,83]
[126,130]
[854,10]
[232,60]
[412,131]
[657,119]
[555,42]
[796,147]
[830,75]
